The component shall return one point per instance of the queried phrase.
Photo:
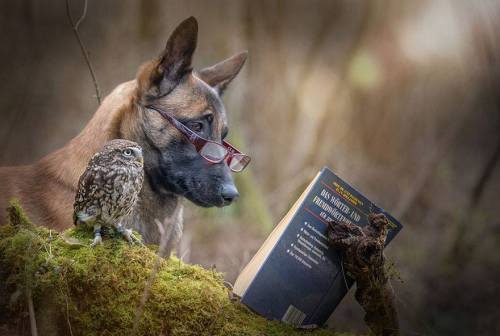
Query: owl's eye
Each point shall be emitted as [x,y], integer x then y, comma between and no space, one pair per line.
[127,152]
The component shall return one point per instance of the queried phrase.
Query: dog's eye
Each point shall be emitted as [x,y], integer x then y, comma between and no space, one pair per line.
[196,126]
[127,152]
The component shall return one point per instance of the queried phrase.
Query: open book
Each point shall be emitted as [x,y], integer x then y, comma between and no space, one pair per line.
[296,276]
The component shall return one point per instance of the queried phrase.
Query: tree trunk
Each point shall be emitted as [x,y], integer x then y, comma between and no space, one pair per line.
[362,252]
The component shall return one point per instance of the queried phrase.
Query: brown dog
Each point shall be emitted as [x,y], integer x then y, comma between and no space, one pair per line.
[173,168]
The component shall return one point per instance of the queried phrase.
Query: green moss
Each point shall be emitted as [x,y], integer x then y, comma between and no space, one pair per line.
[96,291]
[16,215]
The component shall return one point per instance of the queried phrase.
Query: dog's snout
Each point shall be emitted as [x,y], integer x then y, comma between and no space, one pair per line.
[229,193]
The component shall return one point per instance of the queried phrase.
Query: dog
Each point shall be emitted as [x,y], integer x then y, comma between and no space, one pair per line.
[173,168]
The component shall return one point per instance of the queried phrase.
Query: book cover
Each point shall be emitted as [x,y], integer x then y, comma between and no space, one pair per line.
[296,276]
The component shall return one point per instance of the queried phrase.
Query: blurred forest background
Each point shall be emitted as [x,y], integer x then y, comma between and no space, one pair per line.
[400,98]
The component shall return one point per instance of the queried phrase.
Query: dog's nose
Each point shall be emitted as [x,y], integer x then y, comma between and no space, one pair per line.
[229,193]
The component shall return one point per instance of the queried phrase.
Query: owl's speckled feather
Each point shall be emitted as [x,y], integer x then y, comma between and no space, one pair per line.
[110,186]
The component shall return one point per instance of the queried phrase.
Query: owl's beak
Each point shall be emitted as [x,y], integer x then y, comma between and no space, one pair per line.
[138,155]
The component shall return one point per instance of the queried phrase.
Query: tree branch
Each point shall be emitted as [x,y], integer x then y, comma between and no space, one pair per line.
[74,27]
[363,259]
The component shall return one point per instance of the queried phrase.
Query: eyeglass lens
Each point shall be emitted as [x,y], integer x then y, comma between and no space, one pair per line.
[213,152]
[238,162]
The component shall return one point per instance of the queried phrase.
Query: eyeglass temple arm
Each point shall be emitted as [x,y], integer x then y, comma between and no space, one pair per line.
[233,150]
[190,135]
[230,147]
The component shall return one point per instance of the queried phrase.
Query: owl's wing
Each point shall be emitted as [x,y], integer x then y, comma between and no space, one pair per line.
[86,186]
[88,216]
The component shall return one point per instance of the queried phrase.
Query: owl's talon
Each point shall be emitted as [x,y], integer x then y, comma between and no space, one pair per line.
[129,235]
[97,240]
[133,239]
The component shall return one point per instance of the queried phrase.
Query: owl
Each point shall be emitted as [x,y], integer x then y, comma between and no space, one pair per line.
[109,188]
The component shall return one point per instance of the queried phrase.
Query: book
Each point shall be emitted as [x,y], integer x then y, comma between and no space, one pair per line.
[297,276]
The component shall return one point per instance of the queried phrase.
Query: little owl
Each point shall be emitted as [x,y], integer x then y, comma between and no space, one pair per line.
[109,188]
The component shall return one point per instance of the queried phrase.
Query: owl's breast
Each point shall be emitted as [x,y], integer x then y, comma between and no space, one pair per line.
[123,194]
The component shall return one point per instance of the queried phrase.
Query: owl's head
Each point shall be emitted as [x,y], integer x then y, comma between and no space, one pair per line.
[122,151]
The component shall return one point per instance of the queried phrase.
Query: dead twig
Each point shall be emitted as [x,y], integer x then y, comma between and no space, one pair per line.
[29,295]
[67,310]
[174,227]
[74,26]
[166,238]
[31,310]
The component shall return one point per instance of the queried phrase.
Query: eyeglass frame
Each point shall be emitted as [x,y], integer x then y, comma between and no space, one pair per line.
[199,142]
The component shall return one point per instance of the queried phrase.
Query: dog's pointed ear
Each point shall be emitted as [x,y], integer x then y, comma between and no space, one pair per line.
[221,74]
[175,60]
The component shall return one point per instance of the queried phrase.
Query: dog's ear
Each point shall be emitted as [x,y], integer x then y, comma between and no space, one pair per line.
[175,60]
[221,74]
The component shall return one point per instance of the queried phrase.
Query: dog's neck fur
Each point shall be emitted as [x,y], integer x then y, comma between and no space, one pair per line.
[69,162]
[114,119]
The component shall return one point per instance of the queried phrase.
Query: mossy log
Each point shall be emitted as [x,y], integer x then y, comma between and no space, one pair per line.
[363,259]
[78,290]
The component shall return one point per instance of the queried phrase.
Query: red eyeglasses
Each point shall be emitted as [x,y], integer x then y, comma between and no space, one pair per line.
[211,151]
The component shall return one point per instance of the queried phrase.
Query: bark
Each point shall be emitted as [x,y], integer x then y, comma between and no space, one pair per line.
[362,253]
